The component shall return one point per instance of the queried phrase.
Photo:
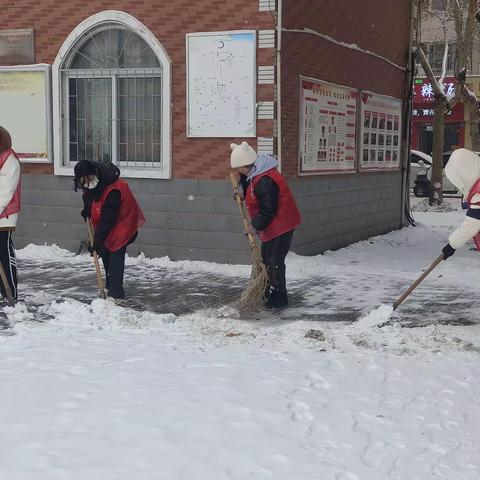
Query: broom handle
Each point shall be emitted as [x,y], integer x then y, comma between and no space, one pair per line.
[251,239]
[95,260]
[6,285]
[415,284]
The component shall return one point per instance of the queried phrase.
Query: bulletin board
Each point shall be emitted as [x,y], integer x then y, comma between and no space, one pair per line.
[381,129]
[221,81]
[25,110]
[327,127]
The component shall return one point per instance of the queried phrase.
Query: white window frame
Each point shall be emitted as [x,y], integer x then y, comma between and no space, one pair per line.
[122,18]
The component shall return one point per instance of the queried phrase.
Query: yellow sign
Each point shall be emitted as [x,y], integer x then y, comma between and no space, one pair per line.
[23,111]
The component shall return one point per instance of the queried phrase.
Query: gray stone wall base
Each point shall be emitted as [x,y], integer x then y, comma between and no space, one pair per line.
[198,220]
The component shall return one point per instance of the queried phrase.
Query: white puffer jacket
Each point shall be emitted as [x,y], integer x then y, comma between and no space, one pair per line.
[463,170]
[9,178]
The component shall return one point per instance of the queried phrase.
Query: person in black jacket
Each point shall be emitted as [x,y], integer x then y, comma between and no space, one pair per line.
[266,191]
[273,212]
[93,178]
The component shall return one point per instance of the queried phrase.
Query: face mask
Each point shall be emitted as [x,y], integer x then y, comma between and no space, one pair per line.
[91,184]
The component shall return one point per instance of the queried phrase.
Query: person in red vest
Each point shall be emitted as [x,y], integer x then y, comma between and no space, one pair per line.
[273,212]
[9,209]
[115,214]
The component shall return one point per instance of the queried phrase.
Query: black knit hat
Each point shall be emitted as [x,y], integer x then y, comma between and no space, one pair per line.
[83,168]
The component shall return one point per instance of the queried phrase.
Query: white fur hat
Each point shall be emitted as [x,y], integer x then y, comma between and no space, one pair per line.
[463,169]
[242,155]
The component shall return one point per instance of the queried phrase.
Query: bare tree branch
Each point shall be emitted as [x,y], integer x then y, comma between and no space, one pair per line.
[444,60]
[437,88]
[457,15]
[469,25]
[470,99]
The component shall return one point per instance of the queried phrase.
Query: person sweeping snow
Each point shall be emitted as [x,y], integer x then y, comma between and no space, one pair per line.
[273,212]
[463,170]
[9,209]
[115,216]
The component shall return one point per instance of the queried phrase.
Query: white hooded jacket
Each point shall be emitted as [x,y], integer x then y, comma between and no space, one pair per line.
[463,170]
[9,178]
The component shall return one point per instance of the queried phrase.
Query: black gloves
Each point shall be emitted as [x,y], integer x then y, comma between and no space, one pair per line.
[448,251]
[85,213]
[98,246]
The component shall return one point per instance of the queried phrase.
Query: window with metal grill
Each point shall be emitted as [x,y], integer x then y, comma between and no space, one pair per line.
[112,100]
[435,52]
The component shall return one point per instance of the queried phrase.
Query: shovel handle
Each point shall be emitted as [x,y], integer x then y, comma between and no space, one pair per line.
[6,285]
[101,286]
[415,284]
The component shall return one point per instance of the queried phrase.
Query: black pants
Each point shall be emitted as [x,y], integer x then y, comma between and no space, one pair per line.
[114,263]
[9,262]
[273,255]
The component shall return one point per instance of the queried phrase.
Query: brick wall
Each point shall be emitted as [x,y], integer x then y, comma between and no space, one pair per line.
[169,21]
[381,26]
[44,168]
[197,219]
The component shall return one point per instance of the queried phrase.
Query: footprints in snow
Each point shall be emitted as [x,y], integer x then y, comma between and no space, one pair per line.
[317,381]
[299,410]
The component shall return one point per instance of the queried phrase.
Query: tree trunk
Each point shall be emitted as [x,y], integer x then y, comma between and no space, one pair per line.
[436,189]
[474,120]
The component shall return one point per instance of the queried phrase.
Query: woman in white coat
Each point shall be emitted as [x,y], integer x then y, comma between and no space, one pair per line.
[9,209]
[463,170]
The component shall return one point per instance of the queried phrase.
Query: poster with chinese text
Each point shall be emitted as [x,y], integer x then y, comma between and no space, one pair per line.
[381,128]
[327,123]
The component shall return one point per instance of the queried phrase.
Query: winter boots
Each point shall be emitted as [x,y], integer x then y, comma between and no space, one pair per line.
[277,299]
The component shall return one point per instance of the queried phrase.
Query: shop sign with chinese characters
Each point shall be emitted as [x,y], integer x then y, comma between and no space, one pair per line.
[423,99]
[424,113]
[423,90]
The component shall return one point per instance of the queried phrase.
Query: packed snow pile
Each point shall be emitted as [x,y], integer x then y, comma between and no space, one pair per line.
[448,205]
[376,317]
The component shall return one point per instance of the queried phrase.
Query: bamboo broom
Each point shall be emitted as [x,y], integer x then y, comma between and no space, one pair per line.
[252,296]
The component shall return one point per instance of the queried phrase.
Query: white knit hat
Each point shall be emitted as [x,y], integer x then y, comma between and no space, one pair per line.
[242,155]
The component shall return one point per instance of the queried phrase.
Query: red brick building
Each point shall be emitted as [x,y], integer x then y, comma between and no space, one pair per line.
[130,82]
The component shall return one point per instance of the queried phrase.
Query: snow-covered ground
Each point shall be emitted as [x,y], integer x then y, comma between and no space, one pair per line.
[95,391]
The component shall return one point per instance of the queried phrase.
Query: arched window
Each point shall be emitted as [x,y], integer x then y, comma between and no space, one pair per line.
[114,100]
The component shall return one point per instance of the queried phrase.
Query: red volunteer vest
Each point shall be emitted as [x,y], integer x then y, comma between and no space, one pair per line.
[130,217]
[287,216]
[474,190]
[14,204]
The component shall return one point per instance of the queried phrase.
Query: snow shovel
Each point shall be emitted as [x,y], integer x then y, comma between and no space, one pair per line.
[8,290]
[101,286]
[252,296]
[380,317]
[415,284]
